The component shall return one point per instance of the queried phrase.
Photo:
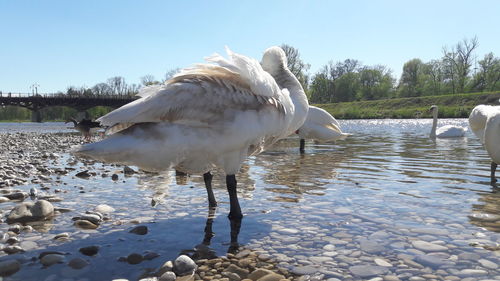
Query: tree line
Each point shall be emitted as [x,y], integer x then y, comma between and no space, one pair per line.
[457,71]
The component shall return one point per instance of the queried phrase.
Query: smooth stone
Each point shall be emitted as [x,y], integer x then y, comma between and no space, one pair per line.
[78,263]
[85,224]
[259,273]
[231,276]
[370,246]
[243,273]
[342,210]
[329,247]
[134,258]
[29,211]
[4,199]
[139,230]
[184,265]
[9,267]
[114,177]
[128,171]
[28,245]
[368,270]
[271,277]
[167,266]
[168,276]
[104,209]
[95,219]
[288,231]
[382,262]
[90,250]
[472,272]
[12,250]
[188,278]
[488,264]
[430,261]
[51,259]
[428,247]
[305,270]
[63,235]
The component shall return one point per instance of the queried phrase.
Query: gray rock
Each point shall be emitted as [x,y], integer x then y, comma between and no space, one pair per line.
[428,247]
[184,265]
[365,271]
[29,211]
[168,276]
[78,263]
[370,246]
[139,230]
[430,261]
[52,259]
[12,249]
[134,258]
[17,196]
[305,270]
[90,250]
[128,171]
[9,267]
[167,266]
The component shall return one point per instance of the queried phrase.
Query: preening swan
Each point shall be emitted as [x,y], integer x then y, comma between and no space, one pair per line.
[319,125]
[448,131]
[478,117]
[212,114]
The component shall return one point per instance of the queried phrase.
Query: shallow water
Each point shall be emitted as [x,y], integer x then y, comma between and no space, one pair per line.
[340,205]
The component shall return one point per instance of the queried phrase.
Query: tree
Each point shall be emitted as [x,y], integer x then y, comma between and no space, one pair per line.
[148,80]
[117,85]
[101,89]
[459,60]
[410,82]
[169,74]
[296,65]
[375,83]
[488,76]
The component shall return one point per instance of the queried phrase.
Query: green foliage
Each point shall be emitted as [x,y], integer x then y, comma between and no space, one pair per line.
[450,106]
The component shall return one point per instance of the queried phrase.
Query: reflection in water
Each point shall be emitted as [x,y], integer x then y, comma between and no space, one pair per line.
[486,213]
[203,250]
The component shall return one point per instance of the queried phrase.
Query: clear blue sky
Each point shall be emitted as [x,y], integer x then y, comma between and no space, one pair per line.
[80,43]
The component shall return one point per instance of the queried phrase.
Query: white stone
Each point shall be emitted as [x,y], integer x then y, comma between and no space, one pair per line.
[428,247]
[382,262]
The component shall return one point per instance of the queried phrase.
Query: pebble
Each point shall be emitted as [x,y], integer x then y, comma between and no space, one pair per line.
[89,251]
[85,224]
[168,276]
[428,247]
[139,230]
[134,258]
[77,263]
[29,211]
[9,267]
[365,271]
[52,259]
[184,265]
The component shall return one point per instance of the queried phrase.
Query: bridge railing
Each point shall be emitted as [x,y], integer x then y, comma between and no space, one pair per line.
[62,95]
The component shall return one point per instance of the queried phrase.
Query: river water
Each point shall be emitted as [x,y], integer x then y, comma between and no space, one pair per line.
[386,201]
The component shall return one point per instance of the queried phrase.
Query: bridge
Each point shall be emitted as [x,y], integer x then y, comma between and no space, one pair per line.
[81,103]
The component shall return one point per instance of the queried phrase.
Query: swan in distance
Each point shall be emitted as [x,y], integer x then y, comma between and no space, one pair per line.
[319,125]
[448,131]
[211,114]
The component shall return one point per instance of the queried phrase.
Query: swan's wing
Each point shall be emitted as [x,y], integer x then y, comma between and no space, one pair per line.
[195,97]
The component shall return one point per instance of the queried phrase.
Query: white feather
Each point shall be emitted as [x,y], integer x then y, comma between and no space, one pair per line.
[321,125]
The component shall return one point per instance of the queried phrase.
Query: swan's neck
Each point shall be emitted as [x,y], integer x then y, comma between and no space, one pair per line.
[434,125]
[286,79]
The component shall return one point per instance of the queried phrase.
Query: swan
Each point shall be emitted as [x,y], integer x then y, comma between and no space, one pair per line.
[319,125]
[478,117]
[492,140]
[211,114]
[448,131]
[87,127]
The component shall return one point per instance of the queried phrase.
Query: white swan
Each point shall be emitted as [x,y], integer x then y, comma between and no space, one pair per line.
[478,117]
[492,140]
[319,125]
[207,115]
[448,131]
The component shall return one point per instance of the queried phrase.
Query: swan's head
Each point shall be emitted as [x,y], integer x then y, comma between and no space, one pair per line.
[433,110]
[274,60]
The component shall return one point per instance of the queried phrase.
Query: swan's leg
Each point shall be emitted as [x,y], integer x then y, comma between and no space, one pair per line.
[235,210]
[235,231]
[207,177]
[493,169]
[302,145]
